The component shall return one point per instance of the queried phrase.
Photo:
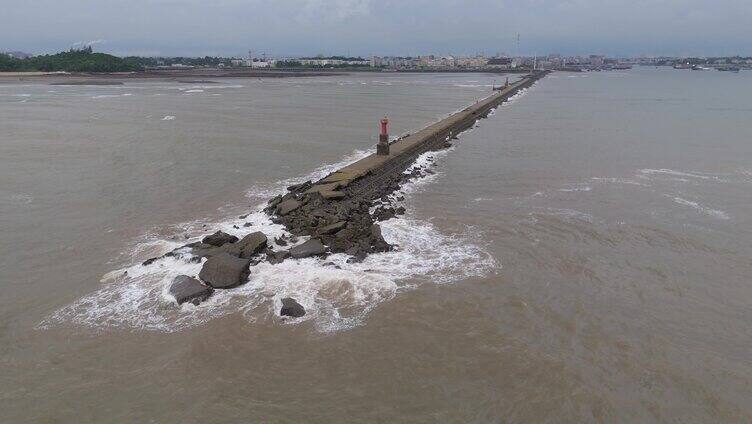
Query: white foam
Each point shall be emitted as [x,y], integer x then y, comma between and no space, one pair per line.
[576,188]
[107,96]
[194,91]
[686,174]
[715,213]
[619,181]
[168,118]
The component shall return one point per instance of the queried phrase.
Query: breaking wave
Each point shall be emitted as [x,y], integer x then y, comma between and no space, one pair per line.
[715,213]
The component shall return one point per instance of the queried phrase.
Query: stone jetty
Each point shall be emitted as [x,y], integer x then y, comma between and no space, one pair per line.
[332,215]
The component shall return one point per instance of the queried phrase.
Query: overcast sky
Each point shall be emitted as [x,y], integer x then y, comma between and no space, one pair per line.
[365,27]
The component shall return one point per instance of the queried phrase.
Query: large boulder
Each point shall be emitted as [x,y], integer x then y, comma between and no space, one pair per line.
[187,289]
[225,271]
[249,245]
[291,308]
[219,238]
[287,206]
[312,247]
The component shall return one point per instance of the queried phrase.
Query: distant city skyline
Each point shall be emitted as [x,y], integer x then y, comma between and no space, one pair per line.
[287,28]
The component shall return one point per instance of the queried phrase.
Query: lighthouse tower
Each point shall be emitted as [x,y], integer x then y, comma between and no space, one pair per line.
[383,147]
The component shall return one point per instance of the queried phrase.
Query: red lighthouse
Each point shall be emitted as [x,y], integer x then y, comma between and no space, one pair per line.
[383,147]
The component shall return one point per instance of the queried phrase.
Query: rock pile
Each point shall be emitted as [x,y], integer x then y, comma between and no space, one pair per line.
[334,222]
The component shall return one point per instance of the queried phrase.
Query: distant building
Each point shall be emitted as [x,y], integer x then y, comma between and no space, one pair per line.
[596,60]
[499,62]
[261,64]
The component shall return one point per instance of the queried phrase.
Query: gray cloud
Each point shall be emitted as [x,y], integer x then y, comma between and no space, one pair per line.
[291,27]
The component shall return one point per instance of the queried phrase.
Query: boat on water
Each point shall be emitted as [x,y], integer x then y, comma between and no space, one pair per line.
[682,66]
[729,68]
[700,68]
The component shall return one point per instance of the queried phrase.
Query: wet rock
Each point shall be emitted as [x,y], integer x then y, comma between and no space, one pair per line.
[287,206]
[243,216]
[331,229]
[277,257]
[291,308]
[219,238]
[247,224]
[297,188]
[187,289]
[357,258]
[249,245]
[377,240]
[224,271]
[280,241]
[400,210]
[275,201]
[312,247]
[203,250]
[150,261]
[383,213]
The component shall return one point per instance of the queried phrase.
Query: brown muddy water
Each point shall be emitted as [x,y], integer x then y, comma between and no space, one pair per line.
[583,255]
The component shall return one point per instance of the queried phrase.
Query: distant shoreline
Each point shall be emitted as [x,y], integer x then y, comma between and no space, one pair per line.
[105,78]
[196,73]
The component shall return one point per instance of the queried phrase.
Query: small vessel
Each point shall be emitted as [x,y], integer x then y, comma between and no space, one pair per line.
[682,66]
[729,68]
[700,68]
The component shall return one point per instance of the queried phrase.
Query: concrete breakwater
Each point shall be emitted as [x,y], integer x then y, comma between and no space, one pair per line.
[337,214]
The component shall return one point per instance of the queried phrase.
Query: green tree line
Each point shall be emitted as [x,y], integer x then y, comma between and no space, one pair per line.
[83,60]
